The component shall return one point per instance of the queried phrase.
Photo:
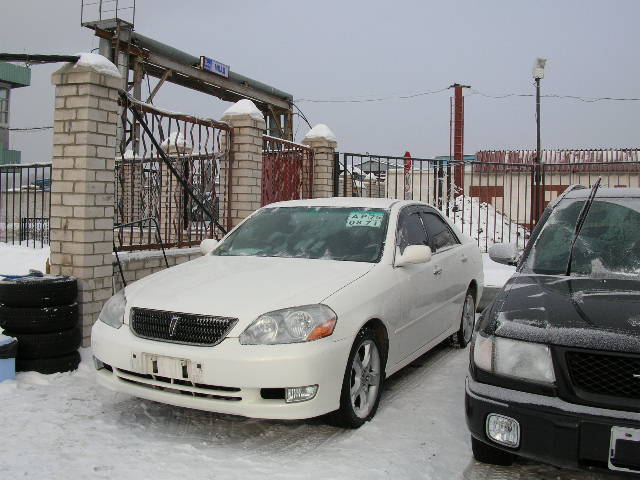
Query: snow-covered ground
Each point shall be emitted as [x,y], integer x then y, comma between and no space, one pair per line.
[17,260]
[65,426]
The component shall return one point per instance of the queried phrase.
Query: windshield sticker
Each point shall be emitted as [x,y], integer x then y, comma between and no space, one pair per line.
[365,219]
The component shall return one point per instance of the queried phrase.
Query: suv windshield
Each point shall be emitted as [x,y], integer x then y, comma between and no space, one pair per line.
[609,242]
[349,234]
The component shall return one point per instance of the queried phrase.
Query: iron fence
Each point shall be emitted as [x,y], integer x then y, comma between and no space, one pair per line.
[495,200]
[25,200]
[287,170]
[169,169]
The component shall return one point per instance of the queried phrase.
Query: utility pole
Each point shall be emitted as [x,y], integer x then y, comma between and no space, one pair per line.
[458,139]
[538,194]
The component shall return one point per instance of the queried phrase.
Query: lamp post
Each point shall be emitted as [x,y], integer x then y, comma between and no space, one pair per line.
[538,74]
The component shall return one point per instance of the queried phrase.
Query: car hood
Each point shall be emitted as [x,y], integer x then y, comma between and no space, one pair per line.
[601,314]
[241,286]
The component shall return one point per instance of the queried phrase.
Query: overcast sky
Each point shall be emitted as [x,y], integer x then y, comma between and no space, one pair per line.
[369,49]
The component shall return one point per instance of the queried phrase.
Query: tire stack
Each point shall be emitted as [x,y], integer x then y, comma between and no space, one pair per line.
[42,313]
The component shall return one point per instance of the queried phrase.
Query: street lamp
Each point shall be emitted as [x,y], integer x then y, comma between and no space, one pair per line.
[538,73]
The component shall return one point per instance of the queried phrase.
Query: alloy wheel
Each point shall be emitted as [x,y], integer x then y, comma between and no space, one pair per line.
[468,318]
[365,378]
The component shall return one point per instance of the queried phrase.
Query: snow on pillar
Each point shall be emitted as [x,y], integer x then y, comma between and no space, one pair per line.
[82,198]
[323,142]
[242,192]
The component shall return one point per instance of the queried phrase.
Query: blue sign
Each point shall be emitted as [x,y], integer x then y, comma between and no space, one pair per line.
[210,65]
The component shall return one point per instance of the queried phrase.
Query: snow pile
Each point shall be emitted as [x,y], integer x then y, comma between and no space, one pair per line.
[481,221]
[320,131]
[176,142]
[243,107]
[495,274]
[98,63]
[18,260]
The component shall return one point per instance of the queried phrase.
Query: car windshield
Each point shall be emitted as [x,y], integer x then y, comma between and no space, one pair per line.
[608,244]
[349,234]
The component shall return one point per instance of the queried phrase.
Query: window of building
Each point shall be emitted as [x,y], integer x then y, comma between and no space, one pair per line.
[4,105]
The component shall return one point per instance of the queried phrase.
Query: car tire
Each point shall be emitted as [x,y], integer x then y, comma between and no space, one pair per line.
[487,454]
[45,345]
[462,337]
[362,382]
[46,366]
[45,291]
[39,319]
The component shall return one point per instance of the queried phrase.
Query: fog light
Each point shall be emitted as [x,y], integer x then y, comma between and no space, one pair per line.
[503,430]
[300,394]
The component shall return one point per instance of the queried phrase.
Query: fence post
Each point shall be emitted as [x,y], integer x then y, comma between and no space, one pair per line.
[323,142]
[82,197]
[241,173]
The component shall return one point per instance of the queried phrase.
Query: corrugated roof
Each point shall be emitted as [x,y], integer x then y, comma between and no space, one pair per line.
[15,75]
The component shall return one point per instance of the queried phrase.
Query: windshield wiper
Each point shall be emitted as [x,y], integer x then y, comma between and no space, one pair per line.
[581,219]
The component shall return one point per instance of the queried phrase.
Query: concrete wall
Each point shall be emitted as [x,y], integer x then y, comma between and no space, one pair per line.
[139,264]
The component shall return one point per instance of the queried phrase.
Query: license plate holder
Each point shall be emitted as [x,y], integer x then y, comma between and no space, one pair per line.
[624,449]
[170,367]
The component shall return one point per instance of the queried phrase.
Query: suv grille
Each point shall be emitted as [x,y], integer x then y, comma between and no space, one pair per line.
[176,327]
[610,375]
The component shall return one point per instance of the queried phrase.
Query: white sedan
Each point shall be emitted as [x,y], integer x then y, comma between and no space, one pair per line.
[302,310]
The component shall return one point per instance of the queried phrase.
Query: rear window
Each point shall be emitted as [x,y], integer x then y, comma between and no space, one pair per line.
[608,244]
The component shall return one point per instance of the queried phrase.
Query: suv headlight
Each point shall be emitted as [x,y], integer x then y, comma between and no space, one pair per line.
[112,312]
[290,325]
[514,358]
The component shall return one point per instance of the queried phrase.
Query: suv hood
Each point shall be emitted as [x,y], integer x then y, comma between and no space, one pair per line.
[601,314]
[243,287]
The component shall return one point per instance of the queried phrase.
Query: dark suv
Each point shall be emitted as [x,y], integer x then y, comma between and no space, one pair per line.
[555,361]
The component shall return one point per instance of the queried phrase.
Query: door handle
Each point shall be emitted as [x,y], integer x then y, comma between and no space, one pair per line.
[464,258]
[437,270]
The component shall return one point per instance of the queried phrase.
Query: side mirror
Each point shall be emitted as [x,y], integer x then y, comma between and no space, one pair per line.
[207,245]
[505,253]
[413,254]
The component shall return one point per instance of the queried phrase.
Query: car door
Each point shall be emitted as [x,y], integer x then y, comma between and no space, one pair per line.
[415,287]
[450,265]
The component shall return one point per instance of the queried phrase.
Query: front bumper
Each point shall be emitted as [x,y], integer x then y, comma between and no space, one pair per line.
[552,430]
[226,378]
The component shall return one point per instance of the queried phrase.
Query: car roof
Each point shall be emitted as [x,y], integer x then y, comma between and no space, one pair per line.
[359,202]
[604,193]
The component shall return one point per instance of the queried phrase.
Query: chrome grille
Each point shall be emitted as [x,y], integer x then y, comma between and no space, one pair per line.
[176,327]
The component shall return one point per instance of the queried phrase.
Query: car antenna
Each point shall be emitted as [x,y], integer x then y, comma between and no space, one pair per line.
[581,219]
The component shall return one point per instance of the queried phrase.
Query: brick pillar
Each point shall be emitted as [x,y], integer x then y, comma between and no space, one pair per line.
[323,142]
[246,157]
[82,198]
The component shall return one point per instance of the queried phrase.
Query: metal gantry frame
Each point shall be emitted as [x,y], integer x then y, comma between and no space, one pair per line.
[137,55]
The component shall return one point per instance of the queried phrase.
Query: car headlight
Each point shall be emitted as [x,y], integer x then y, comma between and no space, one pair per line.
[290,325]
[112,312]
[514,358]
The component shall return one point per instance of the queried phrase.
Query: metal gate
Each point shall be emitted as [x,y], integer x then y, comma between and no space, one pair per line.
[499,195]
[287,170]
[169,169]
